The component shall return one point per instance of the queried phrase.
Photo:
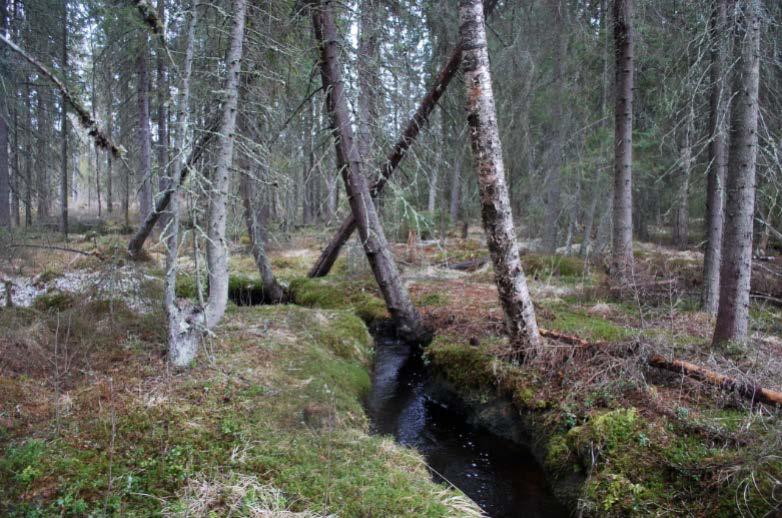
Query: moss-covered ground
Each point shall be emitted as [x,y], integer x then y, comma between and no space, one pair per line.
[268,420]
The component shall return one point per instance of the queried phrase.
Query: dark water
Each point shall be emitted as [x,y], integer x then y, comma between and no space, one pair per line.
[502,477]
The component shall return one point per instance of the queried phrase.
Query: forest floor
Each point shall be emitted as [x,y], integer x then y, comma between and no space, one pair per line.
[270,418]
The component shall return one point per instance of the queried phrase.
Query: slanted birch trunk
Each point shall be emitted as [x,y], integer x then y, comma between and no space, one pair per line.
[736,269]
[400,307]
[487,159]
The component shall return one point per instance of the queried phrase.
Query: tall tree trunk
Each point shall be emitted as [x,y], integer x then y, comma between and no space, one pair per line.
[144,134]
[736,267]
[553,188]
[681,223]
[622,258]
[717,155]
[28,159]
[367,79]
[109,127]
[185,321]
[400,307]
[216,246]
[5,185]
[487,158]
[164,178]
[64,126]
[43,130]
[456,187]
[330,253]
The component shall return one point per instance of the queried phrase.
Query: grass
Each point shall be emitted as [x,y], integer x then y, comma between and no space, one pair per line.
[274,423]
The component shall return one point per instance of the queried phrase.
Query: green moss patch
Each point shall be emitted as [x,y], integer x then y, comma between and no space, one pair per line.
[333,294]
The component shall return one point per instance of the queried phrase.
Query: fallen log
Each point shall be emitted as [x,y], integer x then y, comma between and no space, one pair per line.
[468,265]
[751,391]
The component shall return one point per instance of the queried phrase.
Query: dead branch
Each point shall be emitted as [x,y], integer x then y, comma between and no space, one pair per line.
[85,118]
[750,391]
[59,248]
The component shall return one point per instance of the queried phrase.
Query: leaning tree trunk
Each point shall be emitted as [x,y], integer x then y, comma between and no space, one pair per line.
[622,254]
[716,174]
[376,247]
[330,253]
[733,311]
[487,158]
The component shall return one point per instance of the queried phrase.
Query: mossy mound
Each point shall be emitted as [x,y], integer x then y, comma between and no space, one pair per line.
[333,294]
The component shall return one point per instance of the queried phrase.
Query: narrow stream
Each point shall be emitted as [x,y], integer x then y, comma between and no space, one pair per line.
[500,476]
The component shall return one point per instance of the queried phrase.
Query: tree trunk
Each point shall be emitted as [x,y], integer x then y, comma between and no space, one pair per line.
[367,80]
[64,127]
[716,175]
[681,223]
[109,125]
[28,159]
[185,320]
[272,290]
[487,158]
[331,252]
[164,178]
[733,311]
[456,187]
[5,185]
[405,316]
[41,170]
[622,254]
[553,188]
[144,135]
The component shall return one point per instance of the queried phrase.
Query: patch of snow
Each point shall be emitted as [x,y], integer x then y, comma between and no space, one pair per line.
[123,283]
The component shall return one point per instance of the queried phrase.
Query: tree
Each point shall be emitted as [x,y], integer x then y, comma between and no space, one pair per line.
[144,135]
[5,210]
[622,253]
[406,318]
[716,172]
[488,164]
[736,268]
[64,126]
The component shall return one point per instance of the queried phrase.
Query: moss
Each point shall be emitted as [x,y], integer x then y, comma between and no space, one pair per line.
[465,366]
[558,454]
[434,299]
[564,319]
[329,294]
[347,336]
[245,416]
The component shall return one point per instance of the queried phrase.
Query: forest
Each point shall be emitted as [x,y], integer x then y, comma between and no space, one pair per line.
[299,258]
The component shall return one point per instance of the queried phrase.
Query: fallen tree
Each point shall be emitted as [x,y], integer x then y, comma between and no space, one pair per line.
[751,391]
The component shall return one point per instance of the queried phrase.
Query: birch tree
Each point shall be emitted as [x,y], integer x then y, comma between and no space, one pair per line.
[487,161]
